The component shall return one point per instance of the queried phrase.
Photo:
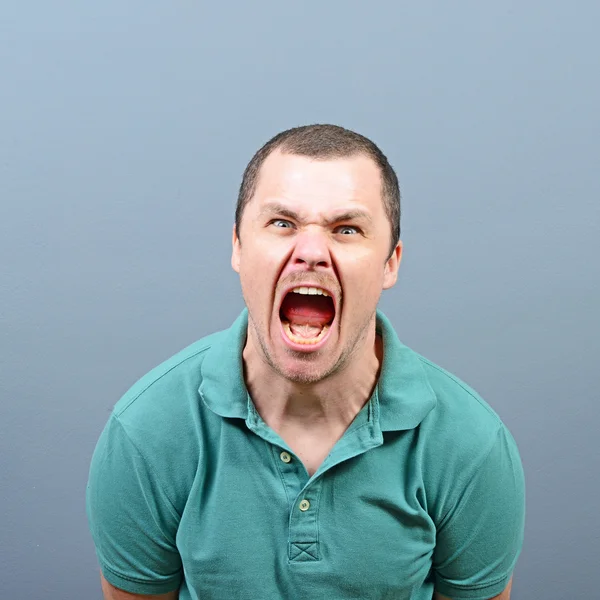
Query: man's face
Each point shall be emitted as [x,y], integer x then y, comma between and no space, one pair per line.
[313,224]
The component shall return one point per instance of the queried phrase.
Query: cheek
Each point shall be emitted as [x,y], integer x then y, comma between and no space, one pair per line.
[258,270]
[260,253]
[364,282]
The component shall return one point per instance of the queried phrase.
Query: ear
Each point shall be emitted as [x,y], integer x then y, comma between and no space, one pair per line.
[390,274]
[235,251]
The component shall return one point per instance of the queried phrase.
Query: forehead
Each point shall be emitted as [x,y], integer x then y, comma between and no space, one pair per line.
[328,183]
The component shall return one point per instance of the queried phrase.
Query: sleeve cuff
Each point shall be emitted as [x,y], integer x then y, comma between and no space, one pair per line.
[140,586]
[472,592]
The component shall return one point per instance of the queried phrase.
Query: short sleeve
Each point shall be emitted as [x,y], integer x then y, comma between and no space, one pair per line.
[133,523]
[480,539]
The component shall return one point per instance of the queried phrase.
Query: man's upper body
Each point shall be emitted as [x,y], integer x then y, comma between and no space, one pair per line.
[190,487]
[306,452]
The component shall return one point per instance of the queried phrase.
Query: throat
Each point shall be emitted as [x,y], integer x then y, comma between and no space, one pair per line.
[312,452]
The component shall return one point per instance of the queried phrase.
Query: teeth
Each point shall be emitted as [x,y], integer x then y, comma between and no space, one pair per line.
[310,291]
[306,341]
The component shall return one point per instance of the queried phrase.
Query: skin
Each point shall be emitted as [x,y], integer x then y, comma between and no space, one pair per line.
[294,231]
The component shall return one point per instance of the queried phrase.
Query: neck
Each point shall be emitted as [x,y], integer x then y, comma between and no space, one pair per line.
[329,405]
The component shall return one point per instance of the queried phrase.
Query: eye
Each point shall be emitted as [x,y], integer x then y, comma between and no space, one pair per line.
[347,229]
[281,223]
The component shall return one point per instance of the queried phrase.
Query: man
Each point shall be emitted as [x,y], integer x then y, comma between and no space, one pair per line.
[305,452]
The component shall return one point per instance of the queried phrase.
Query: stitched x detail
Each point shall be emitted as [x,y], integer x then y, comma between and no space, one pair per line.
[304,551]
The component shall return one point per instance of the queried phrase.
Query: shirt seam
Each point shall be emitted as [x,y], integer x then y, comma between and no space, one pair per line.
[476,586]
[463,386]
[277,466]
[175,577]
[159,377]
[318,529]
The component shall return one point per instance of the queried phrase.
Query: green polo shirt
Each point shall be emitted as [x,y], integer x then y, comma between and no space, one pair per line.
[189,489]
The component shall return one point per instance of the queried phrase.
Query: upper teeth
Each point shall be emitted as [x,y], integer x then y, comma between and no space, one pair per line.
[312,291]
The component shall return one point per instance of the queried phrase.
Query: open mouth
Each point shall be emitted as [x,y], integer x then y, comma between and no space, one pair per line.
[306,315]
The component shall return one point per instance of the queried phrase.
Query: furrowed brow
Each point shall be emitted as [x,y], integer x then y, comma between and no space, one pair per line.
[351,215]
[274,208]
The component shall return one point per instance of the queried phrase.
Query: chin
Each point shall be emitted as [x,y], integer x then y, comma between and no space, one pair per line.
[304,377]
[303,371]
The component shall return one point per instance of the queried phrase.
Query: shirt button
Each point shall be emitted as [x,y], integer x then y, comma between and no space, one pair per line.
[304,505]
[285,457]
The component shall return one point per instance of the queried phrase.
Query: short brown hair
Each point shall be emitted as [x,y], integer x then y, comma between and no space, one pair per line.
[325,142]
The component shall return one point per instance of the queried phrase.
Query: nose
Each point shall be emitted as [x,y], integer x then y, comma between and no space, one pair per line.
[311,249]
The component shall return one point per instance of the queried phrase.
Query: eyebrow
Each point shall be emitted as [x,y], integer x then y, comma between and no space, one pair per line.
[284,211]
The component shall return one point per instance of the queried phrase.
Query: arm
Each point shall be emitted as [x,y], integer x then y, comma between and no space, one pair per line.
[133,523]
[479,541]
[112,593]
[505,595]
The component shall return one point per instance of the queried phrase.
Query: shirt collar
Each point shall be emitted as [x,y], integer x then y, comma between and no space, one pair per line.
[223,388]
[404,394]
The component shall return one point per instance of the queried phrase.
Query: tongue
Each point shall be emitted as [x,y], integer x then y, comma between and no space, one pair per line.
[307,315]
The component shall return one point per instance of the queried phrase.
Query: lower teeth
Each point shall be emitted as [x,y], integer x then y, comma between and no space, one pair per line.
[301,340]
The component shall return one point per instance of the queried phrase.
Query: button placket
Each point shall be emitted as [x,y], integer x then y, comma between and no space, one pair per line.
[304,530]
[291,472]
[304,543]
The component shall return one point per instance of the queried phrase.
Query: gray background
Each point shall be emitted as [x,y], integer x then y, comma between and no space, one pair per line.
[124,130]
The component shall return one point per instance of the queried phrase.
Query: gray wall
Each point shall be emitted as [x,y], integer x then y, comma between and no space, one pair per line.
[124,129]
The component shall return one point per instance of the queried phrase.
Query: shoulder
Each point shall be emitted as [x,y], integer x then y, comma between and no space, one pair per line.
[161,420]
[458,407]
[463,439]
[421,394]
[148,395]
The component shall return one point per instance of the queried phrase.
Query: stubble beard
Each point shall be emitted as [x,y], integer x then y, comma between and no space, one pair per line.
[308,376]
